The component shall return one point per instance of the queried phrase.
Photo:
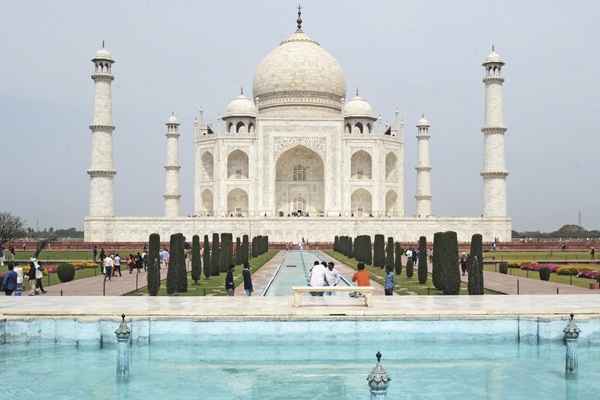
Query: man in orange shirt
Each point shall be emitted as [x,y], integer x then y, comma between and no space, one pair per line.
[362,276]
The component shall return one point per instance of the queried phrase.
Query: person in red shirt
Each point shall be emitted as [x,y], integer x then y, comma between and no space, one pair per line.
[362,276]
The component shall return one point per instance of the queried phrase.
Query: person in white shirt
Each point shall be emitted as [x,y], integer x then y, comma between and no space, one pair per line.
[332,276]
[317,278]
[117,267]
[108,266]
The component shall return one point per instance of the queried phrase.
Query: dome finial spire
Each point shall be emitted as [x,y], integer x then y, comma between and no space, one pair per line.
[299,20]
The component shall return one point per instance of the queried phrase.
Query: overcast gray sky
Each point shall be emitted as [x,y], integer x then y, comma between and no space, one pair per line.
[417,56]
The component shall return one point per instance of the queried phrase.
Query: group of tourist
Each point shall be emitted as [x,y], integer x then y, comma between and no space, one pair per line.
[13,282]
[111,263]
[246,276]
[323,274]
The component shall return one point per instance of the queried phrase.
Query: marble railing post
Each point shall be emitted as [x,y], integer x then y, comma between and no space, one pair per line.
[123,335]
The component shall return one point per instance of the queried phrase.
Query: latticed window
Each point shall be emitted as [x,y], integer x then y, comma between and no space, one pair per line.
[299,173]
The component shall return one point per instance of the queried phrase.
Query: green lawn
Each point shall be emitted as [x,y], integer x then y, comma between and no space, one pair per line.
[402,284]
[566,279]
[215,285]
[531,256]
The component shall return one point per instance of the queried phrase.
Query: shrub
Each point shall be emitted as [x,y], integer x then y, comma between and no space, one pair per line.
[567,271]
[398,258]
[409,268]
[450,264]
[172,269]
[206,257]
[422,260]
[196,260]
[154,264]
[65,272]
[379,251]
[544,274]
[475,263]
[437,271]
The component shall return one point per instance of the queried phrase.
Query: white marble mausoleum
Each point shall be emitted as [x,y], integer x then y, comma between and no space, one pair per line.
[299,158]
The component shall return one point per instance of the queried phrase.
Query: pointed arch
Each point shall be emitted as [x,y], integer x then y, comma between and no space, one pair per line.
[208,166]
[361,165]
[239,127]
[237,165]
[237,203]
[391,203]
[207,202]
[391,167]
[361,203]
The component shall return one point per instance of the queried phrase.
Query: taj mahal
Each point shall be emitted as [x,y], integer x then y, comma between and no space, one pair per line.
[299,158]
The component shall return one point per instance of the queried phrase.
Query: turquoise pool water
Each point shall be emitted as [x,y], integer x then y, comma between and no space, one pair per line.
[293,272]
[215,367]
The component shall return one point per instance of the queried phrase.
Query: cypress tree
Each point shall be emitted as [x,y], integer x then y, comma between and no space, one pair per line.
[335,243]
[196,260]
[172,270]
[238,251]
[389,252]
[368,250]
[245,249]
[206,258]
[379,251]
[475,263]
[437,272]
[398,258]
[227,250]
[181,270]
[422,260]
[215,256]
[450,264]
[153,264]
[354,247]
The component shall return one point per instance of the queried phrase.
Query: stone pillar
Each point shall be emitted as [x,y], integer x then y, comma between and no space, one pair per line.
[172,196]
[423,168]
[494,171]
[101,169]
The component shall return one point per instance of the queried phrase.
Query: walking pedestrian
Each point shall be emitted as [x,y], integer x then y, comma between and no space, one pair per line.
[332,276]
[389,280]
[2,255]
[139,262]
[463,263]
[593,253]
[130,263]
[247,275]
[95,253]
[117,267]
[108,265]
[9,282]
[229,284]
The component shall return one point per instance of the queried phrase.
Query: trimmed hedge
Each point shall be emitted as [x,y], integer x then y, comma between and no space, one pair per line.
[544,274]
[65,272]
[181,270]
[215,256]
[389,252]
[437,274]
[245,249]
[226,251]
[153,276]
[450,263]
[238,251]
[409,268]
[172,269]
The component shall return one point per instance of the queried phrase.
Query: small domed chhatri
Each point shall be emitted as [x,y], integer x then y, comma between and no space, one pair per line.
[103,54]
[297,160]
[358,107]
[241,106]
[493,57]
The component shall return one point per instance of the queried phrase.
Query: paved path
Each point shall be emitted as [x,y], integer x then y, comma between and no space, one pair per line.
[507,284]
[117,286]
[261,278]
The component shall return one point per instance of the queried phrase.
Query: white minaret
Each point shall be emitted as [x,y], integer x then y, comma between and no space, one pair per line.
[423,168]
[494,171]
[172,168]
[101,170]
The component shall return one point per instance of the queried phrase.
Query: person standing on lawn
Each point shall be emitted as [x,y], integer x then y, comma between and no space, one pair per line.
[593,253]
[9,283]
[389,280]
[102,255]
[229,284]
[247,274]
[95,253]
[463,263]
[1,255]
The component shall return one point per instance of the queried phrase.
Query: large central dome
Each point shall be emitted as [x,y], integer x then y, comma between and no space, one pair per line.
[299,73]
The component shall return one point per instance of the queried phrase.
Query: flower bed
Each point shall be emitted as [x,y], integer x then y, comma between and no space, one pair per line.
[538,266]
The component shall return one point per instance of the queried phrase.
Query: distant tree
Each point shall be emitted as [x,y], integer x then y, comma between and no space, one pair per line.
[11,227]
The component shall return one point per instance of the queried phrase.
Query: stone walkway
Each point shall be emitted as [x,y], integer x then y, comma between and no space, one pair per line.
[93,286]
[261,278]
[507,284]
